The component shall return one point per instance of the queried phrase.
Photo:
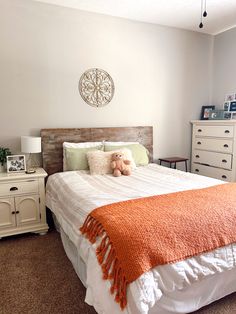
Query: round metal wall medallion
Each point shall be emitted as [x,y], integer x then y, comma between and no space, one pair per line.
[96,87]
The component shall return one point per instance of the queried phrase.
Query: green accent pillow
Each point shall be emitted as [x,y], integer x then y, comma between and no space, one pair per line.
[76,158]
[139,152]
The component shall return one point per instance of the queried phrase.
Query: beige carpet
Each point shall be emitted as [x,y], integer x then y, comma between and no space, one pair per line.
[36,277]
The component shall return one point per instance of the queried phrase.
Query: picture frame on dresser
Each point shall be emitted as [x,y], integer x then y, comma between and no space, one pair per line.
[233,115]
[16,163]
[205,112]
[230,96]
[226,105]
[227,115]
[232,106]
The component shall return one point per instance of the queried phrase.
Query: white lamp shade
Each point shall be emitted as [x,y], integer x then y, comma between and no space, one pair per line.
[30,144]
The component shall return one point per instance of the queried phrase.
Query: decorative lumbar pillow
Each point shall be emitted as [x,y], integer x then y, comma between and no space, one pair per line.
[139,152]
[100,162]
[76,159]
[95,145]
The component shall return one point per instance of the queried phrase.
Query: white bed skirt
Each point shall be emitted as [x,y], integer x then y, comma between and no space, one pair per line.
[188,300]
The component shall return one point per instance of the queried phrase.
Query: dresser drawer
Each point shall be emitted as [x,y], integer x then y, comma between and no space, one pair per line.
[213,159]
[213,130]
[14,188]
[221,174]
[220,145]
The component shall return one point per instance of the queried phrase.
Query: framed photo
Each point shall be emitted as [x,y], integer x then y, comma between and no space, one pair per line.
[226,105]
[232,106]
[16,163]
[230,97]
[227,115]
[205,113]
[217,115]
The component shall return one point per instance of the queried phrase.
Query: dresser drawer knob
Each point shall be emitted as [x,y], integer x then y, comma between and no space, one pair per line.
[196,170]
[17,212]
[227,131]
[13,213]
[224,160]
[197,156]
[199,143]
[199,130]
[226,145]
[224,177]
[14,188]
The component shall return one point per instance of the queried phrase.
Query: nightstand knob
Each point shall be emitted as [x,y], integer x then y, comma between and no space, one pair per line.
[224,177]
[199,143]
[226,145]
[197,156]
[224,160]
[199,130]
[14,188]
[197,170]
[227,131]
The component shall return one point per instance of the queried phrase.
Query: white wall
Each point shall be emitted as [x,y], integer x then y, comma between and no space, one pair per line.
[224,66]
[161,74]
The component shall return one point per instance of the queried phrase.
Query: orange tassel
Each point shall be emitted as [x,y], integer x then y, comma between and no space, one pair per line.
[110,266]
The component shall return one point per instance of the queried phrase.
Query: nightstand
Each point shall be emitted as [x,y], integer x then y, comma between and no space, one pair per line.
[174,160]
[22,203]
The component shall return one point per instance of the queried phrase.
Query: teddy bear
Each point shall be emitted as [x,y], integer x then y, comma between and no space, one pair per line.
[119,165]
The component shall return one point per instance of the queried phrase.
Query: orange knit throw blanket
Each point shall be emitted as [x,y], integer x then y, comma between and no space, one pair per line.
[140,234]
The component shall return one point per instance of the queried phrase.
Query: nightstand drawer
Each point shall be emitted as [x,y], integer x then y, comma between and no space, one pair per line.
[21,187]
[214,130]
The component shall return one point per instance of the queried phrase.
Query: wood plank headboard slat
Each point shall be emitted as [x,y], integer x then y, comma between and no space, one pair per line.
[52,140]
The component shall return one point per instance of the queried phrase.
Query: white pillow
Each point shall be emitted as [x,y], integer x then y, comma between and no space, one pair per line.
[82,145]
[118,143]
[100,162]
[77,145]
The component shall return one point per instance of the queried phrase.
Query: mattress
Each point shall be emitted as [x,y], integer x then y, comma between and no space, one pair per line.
[72,195]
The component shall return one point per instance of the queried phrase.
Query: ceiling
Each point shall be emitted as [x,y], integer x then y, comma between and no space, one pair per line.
[177,13]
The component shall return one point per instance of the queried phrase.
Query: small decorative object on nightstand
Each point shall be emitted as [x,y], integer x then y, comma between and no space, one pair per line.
[174,160]
[22,203]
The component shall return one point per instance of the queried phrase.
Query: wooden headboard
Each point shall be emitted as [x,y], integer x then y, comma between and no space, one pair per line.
[52,140]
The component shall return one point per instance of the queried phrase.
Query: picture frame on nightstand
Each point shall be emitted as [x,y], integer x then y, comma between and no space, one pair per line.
[16,163]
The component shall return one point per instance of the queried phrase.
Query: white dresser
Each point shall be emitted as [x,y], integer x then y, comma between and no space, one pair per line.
[214,149]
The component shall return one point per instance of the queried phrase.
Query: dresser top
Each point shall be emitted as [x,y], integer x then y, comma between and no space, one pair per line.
[5,176]
[223,122]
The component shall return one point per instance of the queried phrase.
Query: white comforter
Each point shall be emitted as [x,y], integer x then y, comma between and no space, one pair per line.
[72,195]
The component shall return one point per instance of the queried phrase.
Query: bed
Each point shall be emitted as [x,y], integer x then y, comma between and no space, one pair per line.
[181,287]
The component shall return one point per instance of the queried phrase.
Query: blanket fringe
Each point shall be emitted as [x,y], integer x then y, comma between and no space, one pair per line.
[108,260]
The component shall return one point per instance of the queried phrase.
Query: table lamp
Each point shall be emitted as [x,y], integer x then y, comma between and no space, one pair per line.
[31,145]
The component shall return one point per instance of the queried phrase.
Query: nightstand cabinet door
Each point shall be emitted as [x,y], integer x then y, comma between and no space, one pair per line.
[7,213]
[27,210]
